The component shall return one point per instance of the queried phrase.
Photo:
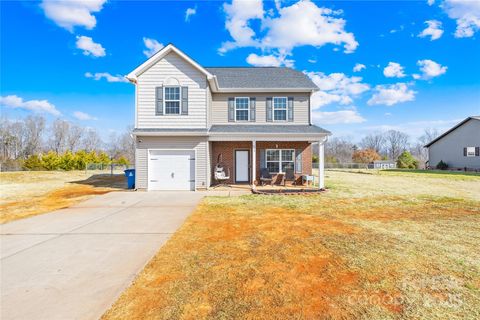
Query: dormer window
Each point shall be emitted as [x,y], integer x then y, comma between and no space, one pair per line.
[172,100]
[242,108]
[279,108]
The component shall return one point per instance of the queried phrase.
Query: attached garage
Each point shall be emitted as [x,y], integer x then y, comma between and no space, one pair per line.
[171,169]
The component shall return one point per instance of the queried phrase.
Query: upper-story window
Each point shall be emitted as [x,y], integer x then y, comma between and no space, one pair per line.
[242,109]
[470,151]
[279,108]
[172,100]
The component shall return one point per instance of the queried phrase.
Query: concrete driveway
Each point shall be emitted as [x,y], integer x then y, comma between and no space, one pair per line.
[73,263]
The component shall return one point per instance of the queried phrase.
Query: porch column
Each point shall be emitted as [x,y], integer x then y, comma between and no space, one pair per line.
[254,161]
[321,165]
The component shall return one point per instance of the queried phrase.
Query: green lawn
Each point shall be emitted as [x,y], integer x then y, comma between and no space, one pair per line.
[384,245]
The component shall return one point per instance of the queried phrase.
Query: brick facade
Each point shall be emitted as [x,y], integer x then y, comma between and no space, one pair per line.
[227,150]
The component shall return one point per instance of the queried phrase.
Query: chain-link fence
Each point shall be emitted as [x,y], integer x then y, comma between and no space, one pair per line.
[344,165]
[107,168]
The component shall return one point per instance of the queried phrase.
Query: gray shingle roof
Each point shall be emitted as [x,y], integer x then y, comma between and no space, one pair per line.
[261,77]
[301,129]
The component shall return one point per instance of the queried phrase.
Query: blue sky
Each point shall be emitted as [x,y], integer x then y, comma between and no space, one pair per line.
[55,56]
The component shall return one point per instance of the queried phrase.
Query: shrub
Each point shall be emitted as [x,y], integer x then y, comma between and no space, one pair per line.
[33,162]
[67,161]
[365,156]
[51,161]
[407,161]
[122,161]
[104,159]
[442,165]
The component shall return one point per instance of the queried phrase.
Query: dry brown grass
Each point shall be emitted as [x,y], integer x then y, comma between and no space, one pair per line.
[332,256]
[25,194]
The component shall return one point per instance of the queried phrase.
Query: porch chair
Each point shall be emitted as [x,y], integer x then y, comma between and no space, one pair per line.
[221,177]
[265,177]
[289,176]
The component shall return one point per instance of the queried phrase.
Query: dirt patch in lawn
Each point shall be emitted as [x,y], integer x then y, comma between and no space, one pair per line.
[58,199]
[25,194]
[345,254]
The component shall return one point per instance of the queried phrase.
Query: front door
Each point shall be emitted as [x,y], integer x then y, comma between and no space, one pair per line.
[241,165]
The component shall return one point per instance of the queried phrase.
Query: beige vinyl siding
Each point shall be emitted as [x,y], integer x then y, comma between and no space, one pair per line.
[200,144]
[172,66]
[220,107]
[209,103]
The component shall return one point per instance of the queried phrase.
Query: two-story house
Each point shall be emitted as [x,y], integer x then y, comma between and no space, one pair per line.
[189,117]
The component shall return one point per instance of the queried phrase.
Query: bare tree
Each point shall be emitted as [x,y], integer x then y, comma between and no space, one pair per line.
[34,129]
[92,140]
[419,150]
[395,142]
[339,149]
[374,141]
[18,132]
[114,148]
[127,143]
[122,145]
[74,137]
[59,135]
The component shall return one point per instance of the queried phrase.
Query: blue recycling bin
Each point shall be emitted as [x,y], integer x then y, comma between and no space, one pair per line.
[130,174]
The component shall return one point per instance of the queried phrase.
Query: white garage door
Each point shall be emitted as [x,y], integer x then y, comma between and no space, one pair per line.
[171,170]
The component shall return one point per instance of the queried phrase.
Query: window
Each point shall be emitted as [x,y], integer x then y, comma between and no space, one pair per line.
[172,100]
[279,108]
[470,151]
[280,160]
[241,109]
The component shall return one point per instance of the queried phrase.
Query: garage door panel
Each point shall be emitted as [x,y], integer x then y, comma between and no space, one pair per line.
[171,170]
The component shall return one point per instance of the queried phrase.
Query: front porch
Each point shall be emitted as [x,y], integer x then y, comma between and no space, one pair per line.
[245,163]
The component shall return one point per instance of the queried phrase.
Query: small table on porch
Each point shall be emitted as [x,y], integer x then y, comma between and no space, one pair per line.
[306,178]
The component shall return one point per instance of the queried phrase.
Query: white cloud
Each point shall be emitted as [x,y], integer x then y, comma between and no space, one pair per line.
[83,116]
[89,47]
[107,76]
[336,87]
[359,67]
[434,30]
[69,14]
[269,60]
[393,70]
[430,69]
[39,106]
[190,12]
[392,94]
[238,15]
[467,15]
[153,46]
[430,2]
[312,60]
[302,23]
[337,117]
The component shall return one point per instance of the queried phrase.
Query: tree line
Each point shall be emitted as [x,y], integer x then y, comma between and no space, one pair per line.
[390,145]
[31,144]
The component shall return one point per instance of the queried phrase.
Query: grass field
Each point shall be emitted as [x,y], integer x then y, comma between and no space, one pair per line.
[28,193]
[377,245]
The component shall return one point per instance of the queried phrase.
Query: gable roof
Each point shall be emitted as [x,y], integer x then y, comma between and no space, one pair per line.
[452,129]
[237,79]
[132,76]
[253,78]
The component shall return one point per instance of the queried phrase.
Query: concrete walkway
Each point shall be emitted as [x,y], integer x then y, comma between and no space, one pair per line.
[74,263]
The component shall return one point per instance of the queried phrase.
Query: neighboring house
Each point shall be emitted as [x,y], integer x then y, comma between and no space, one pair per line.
[459,147]
[188,117]
[382,164]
